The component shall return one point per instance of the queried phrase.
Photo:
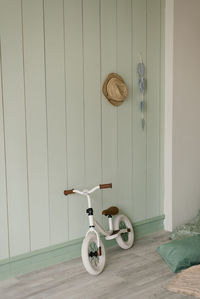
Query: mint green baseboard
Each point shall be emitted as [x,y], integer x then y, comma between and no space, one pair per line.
[63,252]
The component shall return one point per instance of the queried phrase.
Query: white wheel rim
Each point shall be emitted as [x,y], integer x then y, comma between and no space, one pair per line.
[95,261]
[128,241]
[124,236]
[96,264]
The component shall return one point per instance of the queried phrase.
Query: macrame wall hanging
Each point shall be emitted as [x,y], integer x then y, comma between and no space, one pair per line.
[142,86]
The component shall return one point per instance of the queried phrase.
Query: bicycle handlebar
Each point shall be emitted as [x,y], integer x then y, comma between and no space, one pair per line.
[104,186]
[101,186]
[67,192]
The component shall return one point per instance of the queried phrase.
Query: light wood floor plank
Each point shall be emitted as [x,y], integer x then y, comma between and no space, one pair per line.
[135,273]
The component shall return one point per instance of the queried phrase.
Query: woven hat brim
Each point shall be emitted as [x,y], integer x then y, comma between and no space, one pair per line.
[104,87]
[115,103]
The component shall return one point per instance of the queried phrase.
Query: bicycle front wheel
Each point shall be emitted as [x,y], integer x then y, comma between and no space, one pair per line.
[93,263]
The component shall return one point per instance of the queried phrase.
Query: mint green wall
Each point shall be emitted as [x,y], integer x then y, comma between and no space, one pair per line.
[57,130]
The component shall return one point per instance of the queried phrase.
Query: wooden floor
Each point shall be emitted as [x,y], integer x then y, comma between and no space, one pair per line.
[135,273]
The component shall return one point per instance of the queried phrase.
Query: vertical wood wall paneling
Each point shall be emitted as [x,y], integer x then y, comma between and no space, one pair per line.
[92,98]
[139,134]
[60,132]
[4,248]
[162,101]
[124,68]
[55,87]
[36,121]
[109,112]
[153,107]
[15,136]
[78,221]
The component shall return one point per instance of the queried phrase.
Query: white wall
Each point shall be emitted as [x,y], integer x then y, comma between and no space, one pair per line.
[58,131]
[186,112]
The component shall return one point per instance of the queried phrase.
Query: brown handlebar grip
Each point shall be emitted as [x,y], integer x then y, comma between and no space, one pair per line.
[104,186]
[67,192]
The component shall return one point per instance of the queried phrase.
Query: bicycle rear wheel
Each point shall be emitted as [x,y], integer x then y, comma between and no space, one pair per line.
[124,240]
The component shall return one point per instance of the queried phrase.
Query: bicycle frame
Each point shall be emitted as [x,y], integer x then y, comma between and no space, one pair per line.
[94,226]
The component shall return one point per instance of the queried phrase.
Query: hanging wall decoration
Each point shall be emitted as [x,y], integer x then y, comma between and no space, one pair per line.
[141,84]
[115,89]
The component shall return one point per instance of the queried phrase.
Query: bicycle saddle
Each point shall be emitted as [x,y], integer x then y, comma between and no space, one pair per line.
[110,211]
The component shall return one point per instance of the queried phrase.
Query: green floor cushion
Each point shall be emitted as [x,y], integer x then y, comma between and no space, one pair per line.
[181,254]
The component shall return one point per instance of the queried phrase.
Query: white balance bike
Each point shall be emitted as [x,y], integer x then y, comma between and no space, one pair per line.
[93,251]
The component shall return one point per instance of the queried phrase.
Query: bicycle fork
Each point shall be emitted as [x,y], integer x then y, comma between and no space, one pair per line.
[90,213]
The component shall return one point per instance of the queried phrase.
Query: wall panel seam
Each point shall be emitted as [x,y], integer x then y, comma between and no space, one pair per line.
[117,116]
[146,179]
[47,138]
[26,136]
[100,77]
[66,143]
[5,156]
[159,186]
[83,60]
[132,82]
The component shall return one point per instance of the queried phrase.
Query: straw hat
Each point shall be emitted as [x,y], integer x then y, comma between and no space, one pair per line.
[114,89]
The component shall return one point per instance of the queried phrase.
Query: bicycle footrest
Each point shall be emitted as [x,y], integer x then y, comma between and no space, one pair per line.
[116,233]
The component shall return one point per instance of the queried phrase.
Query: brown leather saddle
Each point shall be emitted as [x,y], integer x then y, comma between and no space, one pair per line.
[110,211]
